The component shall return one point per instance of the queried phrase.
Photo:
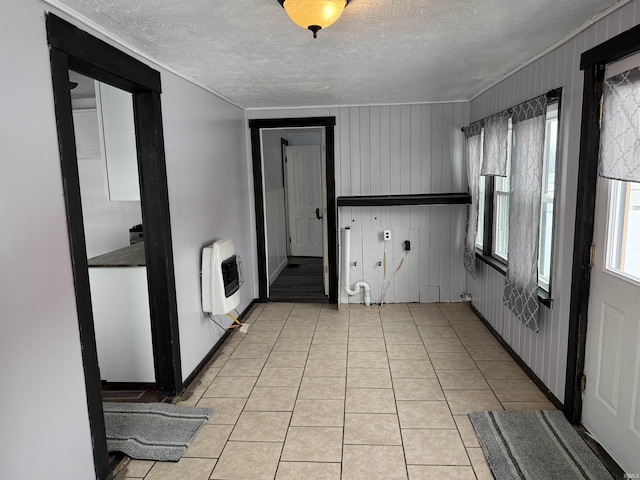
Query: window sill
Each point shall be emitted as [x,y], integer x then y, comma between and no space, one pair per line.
[544,297]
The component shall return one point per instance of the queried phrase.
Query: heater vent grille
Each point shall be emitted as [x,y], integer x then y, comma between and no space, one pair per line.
[232,275]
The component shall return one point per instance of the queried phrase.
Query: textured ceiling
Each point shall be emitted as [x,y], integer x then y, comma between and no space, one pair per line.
[378,52]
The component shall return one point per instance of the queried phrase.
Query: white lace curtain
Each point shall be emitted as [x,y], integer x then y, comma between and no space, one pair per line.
[474,157]
[620,132]
[527,157]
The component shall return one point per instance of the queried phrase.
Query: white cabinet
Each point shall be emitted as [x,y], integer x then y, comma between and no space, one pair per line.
[85,123]
[122,323]
[118,140]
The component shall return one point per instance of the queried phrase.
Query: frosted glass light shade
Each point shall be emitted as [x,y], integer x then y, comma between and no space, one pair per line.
[314,14]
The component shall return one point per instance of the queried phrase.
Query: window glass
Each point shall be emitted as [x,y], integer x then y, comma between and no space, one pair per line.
[482,189]
[547,197]
[623,236]
[501,208]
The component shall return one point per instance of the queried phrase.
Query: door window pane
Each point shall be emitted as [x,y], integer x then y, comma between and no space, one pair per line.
[623,236]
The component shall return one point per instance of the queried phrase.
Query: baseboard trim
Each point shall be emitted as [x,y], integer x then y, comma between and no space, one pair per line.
[530,373]
[215,348]
[601,453]
[278,271]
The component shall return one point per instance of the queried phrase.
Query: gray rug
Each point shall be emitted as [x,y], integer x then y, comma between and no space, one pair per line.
[535,445]
[152,431]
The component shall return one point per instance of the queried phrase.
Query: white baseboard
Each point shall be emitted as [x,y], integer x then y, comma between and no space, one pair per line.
[278,271]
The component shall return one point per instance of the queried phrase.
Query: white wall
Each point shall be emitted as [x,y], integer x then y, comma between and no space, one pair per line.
[298,139]
[546,352]
[275,218]
[209,197]
[43,401]
[400,149]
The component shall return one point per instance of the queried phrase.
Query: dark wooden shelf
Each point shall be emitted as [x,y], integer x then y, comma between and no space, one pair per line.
[461,198]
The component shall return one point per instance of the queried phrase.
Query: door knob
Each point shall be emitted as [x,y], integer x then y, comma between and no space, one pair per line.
[318,216]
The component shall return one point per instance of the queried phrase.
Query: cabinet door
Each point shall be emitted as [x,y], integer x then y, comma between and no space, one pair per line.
[115,114]
[85,123]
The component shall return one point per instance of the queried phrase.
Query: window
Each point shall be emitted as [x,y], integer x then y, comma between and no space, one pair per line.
[495,191]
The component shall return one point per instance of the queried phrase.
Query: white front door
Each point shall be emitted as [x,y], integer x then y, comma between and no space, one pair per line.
[611,400]
[305,205]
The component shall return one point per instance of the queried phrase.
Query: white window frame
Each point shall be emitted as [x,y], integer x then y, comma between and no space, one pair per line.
[548,195]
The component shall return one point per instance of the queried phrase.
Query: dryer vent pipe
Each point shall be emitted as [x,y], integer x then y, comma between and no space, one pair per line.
[347,267]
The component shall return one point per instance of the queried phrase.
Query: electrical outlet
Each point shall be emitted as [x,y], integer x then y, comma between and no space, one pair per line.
[387,235]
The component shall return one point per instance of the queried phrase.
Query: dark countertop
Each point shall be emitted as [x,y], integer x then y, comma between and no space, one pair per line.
[131,256]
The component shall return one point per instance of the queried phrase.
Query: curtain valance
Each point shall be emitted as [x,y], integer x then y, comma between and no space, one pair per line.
[496,130]
[620,131]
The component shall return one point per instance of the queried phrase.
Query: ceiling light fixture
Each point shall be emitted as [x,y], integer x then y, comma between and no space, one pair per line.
[314,14]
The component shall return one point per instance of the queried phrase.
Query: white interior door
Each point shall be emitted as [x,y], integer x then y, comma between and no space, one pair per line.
[611,404]
[304,198]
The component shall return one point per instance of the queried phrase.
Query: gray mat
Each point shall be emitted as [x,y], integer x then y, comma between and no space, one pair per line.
[535,445]
[152,431]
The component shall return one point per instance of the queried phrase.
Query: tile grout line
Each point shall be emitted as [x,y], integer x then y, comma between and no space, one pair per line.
[252,389]
[393,389]
[344,410]
[298,389]
[445,396]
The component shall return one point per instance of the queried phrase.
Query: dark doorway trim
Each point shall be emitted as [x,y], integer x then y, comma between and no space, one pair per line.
[284,143]
[593,63]
[72,48]
[332,220]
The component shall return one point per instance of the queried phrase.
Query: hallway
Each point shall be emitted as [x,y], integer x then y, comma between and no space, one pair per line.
[300,281]
[311,392]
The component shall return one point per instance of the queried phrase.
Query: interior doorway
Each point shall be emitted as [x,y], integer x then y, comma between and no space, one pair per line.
[74,49]
[114,236]
[303,274]
[294,184]
[295,209]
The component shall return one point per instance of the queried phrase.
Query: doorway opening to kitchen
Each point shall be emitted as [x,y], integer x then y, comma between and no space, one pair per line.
[114,237]
[72,49]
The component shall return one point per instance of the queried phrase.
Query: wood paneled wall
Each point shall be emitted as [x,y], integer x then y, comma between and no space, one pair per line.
[546,352]
[400,149]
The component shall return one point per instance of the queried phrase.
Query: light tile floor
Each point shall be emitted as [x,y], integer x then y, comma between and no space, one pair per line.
[311,392]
